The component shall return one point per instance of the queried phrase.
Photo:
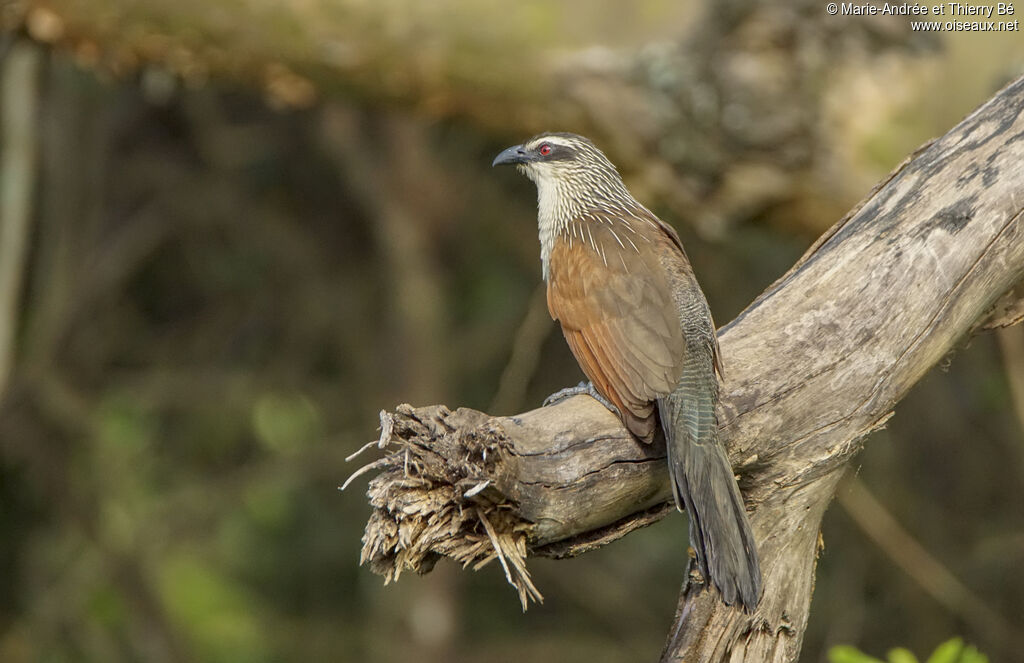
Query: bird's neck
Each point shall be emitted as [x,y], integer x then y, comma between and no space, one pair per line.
[561,203]
[556,207]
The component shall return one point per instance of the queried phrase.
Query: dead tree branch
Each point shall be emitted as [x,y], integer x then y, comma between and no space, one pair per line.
[814,365]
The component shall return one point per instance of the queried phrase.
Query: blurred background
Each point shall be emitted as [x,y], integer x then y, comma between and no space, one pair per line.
[232,231]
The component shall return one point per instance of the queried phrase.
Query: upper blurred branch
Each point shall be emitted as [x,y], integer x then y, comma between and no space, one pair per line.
[719,116]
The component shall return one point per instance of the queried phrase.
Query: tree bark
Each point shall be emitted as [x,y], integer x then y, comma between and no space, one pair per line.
[814,365]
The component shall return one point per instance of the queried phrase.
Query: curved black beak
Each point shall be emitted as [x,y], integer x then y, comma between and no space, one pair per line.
[514,154]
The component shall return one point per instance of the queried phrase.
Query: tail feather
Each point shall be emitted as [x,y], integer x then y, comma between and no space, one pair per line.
[704,485]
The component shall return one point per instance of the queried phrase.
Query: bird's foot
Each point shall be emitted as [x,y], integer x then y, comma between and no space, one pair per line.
[583,388]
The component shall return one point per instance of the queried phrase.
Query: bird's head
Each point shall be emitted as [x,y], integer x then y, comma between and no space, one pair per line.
[561,158]
[575,182]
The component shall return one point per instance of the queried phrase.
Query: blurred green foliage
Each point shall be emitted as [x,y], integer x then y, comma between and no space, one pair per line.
[951,651]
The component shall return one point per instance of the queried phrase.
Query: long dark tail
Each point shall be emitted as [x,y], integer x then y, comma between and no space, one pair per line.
[704,485]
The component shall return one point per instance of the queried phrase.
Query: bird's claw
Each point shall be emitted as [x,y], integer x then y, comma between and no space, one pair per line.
[583,388]
[568,392]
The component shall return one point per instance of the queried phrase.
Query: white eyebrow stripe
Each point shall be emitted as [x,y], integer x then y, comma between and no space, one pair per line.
[551,140]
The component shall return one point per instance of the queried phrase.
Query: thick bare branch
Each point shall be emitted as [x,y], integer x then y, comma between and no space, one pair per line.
[813,365]
[1009,310]
[833,346]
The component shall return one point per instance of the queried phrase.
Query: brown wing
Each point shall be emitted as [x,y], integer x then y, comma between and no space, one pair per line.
[610,294]
[685,269]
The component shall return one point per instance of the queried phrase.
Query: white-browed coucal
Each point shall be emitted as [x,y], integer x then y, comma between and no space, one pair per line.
[621,286]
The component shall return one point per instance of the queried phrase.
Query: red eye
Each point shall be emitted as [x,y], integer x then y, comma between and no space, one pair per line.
[545,150]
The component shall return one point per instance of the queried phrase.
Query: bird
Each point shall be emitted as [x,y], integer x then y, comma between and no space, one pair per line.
[622,289]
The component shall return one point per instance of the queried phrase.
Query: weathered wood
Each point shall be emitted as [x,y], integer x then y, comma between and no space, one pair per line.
[571,476]
[814,365]
[823,356]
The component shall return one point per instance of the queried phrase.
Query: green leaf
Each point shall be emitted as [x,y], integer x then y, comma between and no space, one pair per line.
[848,654]
[947,652]
[972,655]
[954,651]
[901,655]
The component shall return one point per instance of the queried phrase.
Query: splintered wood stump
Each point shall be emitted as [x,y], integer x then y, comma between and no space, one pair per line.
[556,481]
[814,365]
